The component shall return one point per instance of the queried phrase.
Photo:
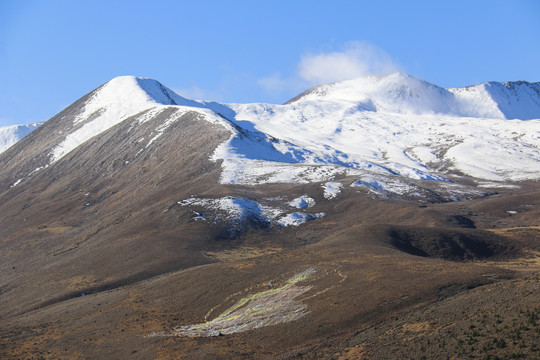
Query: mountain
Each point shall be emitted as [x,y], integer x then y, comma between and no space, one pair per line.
[402,93]
[349,222]
[341,127]
[508,100]
[406,126]
[9,135]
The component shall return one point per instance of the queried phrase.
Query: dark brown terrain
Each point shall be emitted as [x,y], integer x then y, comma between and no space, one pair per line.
[99,261]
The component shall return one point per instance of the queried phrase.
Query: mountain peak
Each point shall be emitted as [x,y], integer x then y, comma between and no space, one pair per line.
[405,94]
[394,93]
[114,102]
[133,89]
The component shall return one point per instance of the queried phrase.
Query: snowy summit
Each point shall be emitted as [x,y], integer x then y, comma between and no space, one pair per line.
[370,127]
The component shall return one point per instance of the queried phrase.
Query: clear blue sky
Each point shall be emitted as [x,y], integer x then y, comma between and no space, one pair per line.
[53,52]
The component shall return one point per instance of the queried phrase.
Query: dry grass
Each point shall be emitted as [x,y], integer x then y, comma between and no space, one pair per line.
[242,253]
[529,262]
[518,233]
[353,353]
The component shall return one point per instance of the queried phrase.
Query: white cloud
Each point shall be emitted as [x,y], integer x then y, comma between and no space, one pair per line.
[352,60]
[357,58]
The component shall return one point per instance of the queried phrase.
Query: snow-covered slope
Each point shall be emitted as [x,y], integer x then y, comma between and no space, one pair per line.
[379,127]
[404,94]
[114,102]
[507,100]
[9,135]
[405,126]
[395,93]
[143,103]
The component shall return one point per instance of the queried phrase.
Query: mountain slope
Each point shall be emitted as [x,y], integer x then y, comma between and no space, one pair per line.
[406,127]
[109,105]
[137,223]
[402,93]
[507,100]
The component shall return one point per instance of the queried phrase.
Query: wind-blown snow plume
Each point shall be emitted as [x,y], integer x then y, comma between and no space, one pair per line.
[351,60]
[358,58]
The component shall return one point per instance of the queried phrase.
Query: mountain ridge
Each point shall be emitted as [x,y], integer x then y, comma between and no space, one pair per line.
[340,127]
[402,93]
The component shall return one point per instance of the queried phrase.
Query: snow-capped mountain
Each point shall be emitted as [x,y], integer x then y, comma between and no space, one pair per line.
[9,135]
[404,94]
[507,100]
[401,125]
[373,127]
[135,218]
[113,103]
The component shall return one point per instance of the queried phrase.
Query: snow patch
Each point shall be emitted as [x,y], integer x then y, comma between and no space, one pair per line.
[404,188]
[251,172]
[16,183]
[298,218]
[495,185]
[379,185]
[241,213]
[198,216]
[237,212]
[332,189]
[302,202]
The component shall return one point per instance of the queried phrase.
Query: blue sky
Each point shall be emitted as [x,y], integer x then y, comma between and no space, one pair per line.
[53,52]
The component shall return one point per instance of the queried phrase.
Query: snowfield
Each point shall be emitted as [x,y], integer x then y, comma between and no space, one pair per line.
[332,189]
[302,202]
[374,127]
[10,135]
[412,128]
